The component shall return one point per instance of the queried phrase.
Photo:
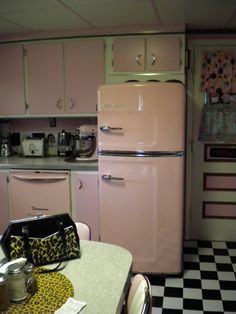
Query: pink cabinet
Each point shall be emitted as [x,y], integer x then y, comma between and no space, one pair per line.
[12,100]
[84,72]
[63,77]
[150,54]
[4,206]
[85,199]
[45,78]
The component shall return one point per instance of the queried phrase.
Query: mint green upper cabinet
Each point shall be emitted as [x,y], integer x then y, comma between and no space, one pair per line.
[63,77]
[45,83]
[84,72]
[12,100]
[147,54]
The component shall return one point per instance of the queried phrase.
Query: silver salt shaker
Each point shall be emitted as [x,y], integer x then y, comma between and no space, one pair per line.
[30,278]
[16,283]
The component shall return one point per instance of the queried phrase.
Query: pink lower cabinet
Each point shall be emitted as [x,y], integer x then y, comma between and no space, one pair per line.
[41,192]
[4,204]
[85,200]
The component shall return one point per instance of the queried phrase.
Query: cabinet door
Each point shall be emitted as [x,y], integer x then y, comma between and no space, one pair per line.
[45,78]
[86,200]
[84,72]
[163,54]
[12,100]
[4,207]
[128,54]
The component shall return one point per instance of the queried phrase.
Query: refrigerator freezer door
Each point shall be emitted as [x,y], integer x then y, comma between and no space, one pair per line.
[141,117]
[141,209]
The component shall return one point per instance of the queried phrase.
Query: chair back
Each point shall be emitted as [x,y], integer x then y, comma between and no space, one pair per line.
[83,230]
[140,296]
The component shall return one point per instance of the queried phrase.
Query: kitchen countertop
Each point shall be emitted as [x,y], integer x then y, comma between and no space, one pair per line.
[48,163]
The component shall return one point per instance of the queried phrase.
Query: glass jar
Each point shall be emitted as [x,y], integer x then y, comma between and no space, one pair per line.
[16,283]
[4,297]
[30,279]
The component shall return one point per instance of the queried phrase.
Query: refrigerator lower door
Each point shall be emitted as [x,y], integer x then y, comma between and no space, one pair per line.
[34,193]
[141,209]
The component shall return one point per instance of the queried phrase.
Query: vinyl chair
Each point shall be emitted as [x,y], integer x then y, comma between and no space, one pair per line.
[140,296]
[83,230]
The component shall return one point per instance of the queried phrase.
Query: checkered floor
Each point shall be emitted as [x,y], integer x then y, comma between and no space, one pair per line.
[207,285]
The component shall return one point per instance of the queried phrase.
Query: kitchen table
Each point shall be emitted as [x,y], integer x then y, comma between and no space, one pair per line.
[101,277]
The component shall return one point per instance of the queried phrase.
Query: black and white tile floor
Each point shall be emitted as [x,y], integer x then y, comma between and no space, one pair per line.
[207,285]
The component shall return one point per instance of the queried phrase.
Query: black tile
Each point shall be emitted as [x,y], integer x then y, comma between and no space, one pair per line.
[209,294]
[209,275]
[233,259]
[190,250]
[227,285]
[192,283]
[231,245]
[193,304]
[229,306]
[191,265]
[156,280]
[221,252]
[157,301]
[207,258]
[173,292]
[206,244]
[224,267]
[171,311]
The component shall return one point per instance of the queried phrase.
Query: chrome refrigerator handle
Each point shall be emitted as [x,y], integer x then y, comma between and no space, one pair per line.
[108,177]
[106,128]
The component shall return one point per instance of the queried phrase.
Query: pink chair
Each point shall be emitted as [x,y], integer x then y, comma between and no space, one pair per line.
[83,230]
[140,296]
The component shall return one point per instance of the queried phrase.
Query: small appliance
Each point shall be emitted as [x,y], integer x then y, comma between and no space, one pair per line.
[85,143]
[34,147]
[5,148]
[64,143]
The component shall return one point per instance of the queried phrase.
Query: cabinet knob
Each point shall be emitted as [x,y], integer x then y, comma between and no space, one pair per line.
[138,59]
[72,103]
[59,103]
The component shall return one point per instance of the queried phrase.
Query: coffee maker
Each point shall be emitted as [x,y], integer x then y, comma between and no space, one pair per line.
[85,143]
[64,144]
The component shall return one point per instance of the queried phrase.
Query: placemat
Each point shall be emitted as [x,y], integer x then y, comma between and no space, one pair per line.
[53,291]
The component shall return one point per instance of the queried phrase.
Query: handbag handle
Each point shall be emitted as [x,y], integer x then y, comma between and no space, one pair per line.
[25,236]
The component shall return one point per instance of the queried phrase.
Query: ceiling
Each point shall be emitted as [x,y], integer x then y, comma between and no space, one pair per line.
[26,16]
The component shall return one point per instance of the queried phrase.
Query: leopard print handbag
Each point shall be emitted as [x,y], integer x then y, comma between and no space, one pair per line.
[42,240]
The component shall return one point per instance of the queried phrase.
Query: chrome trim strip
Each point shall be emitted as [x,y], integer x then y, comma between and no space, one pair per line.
[122,153]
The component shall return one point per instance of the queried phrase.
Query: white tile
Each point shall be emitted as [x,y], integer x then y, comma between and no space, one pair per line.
[213,305]
[234,267]
[158,291]
[219,245]
[192,293]
[157,310]
[205,251]
[207,266]
[228,295]
[173,303]
[174,282]
[222,259]
[226,275]
[193,274]
[191,258]
[232,252]
[210,284]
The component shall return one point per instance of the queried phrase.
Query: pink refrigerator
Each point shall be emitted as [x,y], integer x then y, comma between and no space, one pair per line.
[141,132]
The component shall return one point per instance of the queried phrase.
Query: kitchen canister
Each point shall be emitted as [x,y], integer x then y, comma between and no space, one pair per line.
[4,297]
[16,283]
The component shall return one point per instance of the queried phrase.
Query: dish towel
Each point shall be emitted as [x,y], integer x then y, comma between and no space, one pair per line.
[71,306]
